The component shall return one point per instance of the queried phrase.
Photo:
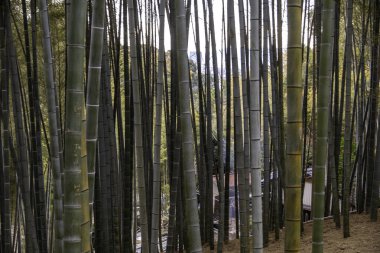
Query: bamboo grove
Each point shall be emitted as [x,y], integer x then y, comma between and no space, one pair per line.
[179,125]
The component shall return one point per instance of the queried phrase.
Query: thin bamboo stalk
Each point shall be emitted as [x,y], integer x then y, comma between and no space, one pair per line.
[53,128]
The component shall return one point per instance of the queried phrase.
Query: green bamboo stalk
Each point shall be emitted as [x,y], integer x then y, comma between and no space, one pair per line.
[139,153]
[209,148]
[189,183]
[219,125]
[374,201]
[202,154]
[93,89]
[255,132]
[127,172]
[23,173]
[244,81]
[157,131]
[53,127]
[266,119]
[35,156]
[323,98]
[375,17]
[280,107]
[376,179]
[103,171]
[294,130]
[347,124]
[86,225]
[73,118]
[239,150]
[6,209]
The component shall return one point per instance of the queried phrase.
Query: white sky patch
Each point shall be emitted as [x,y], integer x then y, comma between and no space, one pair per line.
[218,25]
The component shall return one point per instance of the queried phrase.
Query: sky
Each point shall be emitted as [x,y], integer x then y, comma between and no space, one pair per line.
[218,24]
[218,18]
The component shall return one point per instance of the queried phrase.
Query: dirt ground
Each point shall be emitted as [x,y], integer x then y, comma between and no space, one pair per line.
[365,237]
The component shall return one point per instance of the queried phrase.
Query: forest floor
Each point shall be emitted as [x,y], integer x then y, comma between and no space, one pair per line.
[365,237]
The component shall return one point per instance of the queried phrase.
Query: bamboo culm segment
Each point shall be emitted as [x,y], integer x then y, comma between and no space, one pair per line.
[325,68]
[255,131]
[73,217]
[193,236]
[294,130]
